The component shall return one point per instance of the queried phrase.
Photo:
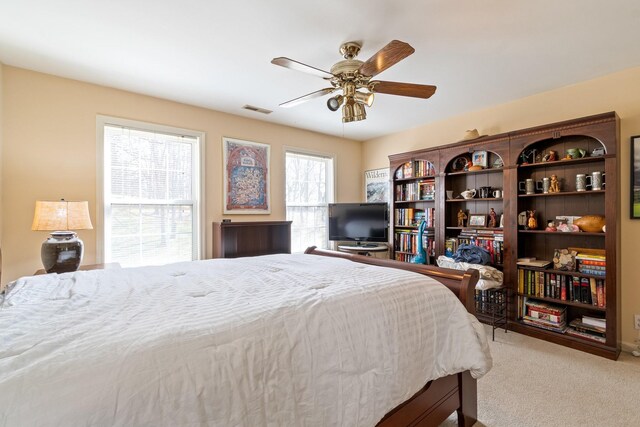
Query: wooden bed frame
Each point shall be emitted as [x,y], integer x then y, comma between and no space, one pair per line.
[439,398]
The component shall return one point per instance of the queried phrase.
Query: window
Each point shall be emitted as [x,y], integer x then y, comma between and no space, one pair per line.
[150,193]
[309,180]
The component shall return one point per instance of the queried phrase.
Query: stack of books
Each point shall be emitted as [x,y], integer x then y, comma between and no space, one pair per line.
[565,287]
[588,327]
[592,264]
[545,316]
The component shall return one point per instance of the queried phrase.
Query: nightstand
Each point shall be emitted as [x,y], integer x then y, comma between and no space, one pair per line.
[88,267]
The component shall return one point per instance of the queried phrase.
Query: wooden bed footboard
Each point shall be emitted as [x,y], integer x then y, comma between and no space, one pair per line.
[461,283]
[438,399]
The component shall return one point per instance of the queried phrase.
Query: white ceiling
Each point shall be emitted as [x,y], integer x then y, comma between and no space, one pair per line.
[216,54]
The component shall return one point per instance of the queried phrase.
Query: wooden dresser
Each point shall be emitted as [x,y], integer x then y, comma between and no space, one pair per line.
[240,239]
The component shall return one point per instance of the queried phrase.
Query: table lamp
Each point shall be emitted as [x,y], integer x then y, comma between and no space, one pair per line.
[62,252]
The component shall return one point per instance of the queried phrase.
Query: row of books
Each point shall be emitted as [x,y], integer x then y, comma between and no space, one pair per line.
[415,169]
[409,257]
[420,190]
[554,318]
[490,239]
[407,241]
[412,216]
[586,290]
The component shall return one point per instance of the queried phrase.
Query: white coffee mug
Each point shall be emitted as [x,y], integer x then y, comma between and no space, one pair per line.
[497,194]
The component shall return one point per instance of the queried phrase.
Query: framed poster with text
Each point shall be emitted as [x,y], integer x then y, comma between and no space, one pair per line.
[376,183]
[246,177]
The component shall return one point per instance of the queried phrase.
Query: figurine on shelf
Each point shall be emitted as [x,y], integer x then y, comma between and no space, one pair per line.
[493,218]
[554,186]
[551,156]
[532,223]
[551,226]
[461,218]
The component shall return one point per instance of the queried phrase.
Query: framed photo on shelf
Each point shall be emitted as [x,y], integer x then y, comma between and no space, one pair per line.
[246,177]
[635,177]
[479,158]
[477,220]
[376,184]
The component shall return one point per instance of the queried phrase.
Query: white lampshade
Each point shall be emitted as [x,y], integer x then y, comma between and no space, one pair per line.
[61,215]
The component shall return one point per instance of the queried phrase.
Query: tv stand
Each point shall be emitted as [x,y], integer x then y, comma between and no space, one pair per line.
[363,248]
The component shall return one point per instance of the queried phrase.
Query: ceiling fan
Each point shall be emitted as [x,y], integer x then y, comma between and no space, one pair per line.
[351,74]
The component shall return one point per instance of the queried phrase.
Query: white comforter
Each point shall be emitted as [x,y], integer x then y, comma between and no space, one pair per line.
[280,340]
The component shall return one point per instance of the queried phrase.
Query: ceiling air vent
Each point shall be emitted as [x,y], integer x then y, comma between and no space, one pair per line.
[257,109]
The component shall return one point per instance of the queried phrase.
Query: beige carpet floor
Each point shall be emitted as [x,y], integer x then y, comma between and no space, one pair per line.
[536,383]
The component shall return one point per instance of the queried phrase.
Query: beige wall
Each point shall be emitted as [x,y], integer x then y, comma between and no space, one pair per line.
[50,153]
[1,133]
[618,92]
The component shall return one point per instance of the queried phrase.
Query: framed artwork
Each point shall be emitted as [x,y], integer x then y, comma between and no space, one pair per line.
[635,177]
[376,185]
[476,220]
[246,177]
[479,158]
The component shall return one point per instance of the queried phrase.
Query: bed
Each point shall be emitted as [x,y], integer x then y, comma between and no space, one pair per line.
[313,339]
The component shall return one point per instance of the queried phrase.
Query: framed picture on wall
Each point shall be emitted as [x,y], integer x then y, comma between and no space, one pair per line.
[635,177]
[376,185]
[246,177]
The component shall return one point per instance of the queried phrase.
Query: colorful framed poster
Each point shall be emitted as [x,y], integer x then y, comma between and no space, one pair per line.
[376,183]
[246,177]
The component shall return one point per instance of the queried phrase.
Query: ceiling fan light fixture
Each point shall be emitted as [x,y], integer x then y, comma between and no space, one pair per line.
[359,112]
[353,111]
[364,98]
[335,102]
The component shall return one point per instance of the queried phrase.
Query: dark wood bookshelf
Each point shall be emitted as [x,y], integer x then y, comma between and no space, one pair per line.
[588,133]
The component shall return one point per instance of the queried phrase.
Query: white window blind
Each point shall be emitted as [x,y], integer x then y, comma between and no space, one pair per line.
[309,180]
[151,189]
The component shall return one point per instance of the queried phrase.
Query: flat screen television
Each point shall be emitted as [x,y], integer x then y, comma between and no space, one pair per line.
[359,222]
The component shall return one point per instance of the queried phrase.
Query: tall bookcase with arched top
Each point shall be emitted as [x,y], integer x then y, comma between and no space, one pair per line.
[511,159]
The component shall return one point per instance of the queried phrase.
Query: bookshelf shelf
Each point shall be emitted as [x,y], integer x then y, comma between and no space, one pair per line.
[564,339]
[564,302]
[482,171]
[417,178]
[563,163]
[475,228]
[565,193]
[560,233]
[490,199]
[400,202]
